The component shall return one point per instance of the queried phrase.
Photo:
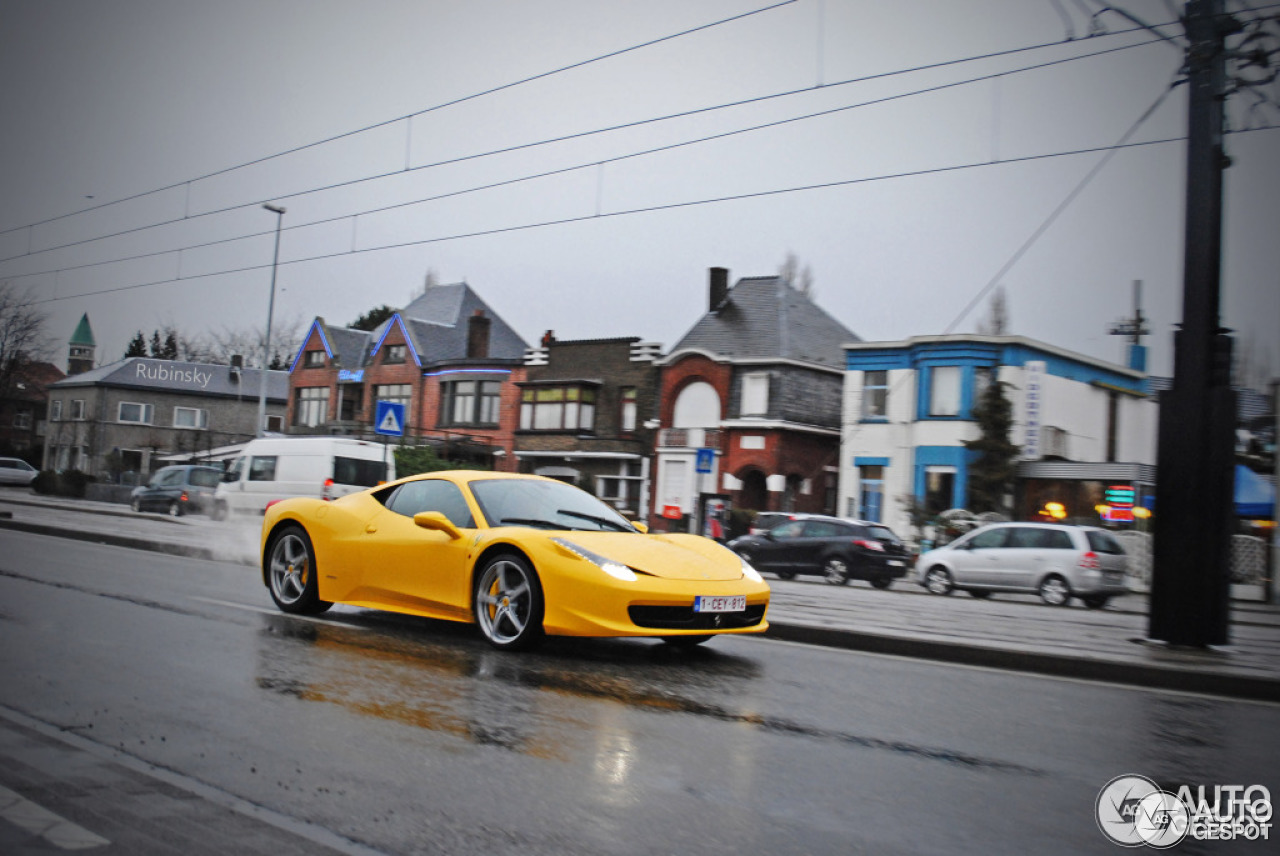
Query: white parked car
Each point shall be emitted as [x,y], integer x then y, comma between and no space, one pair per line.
[1054,560]
[17,471]
[274,468]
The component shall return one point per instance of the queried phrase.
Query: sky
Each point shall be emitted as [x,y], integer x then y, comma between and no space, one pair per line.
[918,154]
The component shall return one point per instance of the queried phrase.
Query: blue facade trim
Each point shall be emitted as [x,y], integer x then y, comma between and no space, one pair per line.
[944,456]
[324,340]
[879,359]
[407,339]
[871,462]
[1063,367]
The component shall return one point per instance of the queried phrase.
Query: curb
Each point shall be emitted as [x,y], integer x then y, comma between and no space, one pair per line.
[1036,662]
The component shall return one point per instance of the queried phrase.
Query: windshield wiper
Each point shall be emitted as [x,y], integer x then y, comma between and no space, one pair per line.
[531,521]
[603,521]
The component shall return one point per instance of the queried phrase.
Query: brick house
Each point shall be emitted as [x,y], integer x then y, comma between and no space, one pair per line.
[751,405]
[447,357]
[24,405]
[586,417]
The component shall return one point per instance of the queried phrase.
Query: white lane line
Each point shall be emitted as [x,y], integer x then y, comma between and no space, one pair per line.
[53,828]
[268,611]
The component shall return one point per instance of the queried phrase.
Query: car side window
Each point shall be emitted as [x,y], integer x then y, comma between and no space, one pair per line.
[432,495]
[171,479]
[793,529]
[233,472]
[1056,539]
[1101,542]
[1027,537]
[262,469]
[989,539]
[823,529]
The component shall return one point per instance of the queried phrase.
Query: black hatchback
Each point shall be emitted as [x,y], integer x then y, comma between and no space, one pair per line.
[838,549]
[178,490]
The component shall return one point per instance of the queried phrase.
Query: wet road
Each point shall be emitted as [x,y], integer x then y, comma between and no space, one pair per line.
[412,736]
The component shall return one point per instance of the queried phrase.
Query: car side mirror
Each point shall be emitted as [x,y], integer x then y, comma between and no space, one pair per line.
[642,528]
[436,522]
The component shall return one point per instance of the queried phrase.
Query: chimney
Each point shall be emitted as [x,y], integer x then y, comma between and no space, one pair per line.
[237,363]
[478,335]
[719,287]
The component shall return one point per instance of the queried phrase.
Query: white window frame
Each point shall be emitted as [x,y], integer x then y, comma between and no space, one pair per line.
[146,416]
[875,396]
[311,406]
[945,384]
[200,423]
[77,410]
[755,394]
[55,410]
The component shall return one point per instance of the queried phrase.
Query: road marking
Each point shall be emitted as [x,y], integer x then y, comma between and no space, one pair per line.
[267,611]
[53,828]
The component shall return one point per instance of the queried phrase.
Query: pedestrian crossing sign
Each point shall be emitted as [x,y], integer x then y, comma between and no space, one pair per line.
[389,419]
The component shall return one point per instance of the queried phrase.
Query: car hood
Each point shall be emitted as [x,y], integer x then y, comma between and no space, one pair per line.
[671,557]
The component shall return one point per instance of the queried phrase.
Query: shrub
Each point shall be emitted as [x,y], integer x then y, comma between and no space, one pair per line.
[72,483]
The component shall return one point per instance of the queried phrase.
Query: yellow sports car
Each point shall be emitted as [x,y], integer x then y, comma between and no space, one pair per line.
[520,555]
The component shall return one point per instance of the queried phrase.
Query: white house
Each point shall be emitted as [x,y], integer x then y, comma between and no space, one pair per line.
[1087,428]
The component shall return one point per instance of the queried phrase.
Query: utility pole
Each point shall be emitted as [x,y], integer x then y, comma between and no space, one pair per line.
[1191,584]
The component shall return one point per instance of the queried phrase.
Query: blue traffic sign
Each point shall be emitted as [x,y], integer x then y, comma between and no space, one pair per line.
[389,419]
[706,460]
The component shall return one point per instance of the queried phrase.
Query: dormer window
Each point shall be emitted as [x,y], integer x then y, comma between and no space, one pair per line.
[393,354]
[313,360]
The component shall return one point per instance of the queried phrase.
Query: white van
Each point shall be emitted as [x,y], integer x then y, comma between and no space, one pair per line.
[273,468]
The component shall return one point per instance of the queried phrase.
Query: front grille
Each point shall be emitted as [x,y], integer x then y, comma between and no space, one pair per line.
[684,618]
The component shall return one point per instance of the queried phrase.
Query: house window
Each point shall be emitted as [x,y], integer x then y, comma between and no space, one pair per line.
[190,417]
[939,489]
[755,394]
[875,394]
[134,413]
[871,493]
[622,491]
[400,393]
[313,360]
[470,402]
[627,418]
[22,420]
[77,410]
[557,408]
[393,354]
[944,391]
[275,424]
[55,411]
[311,407]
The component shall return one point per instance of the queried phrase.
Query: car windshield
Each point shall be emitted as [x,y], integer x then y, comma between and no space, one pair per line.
[205,478]
[546,504]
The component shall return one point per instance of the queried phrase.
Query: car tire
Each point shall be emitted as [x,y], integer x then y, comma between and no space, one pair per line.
[136,505]
[175,508]
[881,583]
[507,603]
[937,580]
[1055,591]
[979,594]
[785,575]
[1096,601]
[836,571]
[291,572]
[219,511]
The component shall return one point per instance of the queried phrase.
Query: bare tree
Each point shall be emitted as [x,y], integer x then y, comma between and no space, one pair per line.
[997,320]
[23,338]
[249,342]
[799,278]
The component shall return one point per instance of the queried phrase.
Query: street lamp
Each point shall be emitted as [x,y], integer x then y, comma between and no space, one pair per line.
[271,307]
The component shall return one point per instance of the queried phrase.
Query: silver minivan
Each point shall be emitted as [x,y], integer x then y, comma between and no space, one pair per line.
[1054,560]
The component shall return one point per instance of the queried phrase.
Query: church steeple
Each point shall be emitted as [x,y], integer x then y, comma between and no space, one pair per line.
[81,348]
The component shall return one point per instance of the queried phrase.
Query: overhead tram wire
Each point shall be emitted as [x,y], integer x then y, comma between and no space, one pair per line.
[651,209]
[538,143]
[451,103]
[587,165]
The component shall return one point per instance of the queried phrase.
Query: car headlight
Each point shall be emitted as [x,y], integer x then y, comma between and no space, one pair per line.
[750,572]
[617,570]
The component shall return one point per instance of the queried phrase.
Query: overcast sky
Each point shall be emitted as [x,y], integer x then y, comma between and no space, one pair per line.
[905,209]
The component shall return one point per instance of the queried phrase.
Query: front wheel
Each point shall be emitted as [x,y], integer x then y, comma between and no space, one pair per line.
[938,581]
[291,573]
[175,508]
[508,603]
[836,571]
[136,505]
[786,575]
[1055,591]
[881,582]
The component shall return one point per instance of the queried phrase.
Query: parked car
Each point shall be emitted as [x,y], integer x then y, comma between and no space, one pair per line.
[521,556]
[275,468]
[839,549]
[1054,560]
[178,490]
[766,520]
[16,471]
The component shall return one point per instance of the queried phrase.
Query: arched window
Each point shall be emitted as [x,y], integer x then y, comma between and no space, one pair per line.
[697,406]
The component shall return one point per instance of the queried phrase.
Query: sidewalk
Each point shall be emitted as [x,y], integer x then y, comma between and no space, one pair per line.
[1008,632]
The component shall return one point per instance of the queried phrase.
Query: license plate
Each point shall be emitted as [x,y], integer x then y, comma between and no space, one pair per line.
[895,563]
[736,603]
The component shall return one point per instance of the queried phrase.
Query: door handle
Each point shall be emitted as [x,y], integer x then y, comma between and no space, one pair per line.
[371,528]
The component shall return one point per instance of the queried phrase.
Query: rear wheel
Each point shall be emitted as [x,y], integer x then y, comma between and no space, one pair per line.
[881,582]
[786,575]
[175,508]
[291,573]
[836,571]
[1096,601]
[938,581]
[980,594]
[508,603]
[1055,591]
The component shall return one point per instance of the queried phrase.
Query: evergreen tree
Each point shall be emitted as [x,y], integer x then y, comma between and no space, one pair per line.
[370,320]
[137,346]
[991,473]
[156,347]
[169,350]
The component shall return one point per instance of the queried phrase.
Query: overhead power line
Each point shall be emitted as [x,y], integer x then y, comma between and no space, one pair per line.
[577,167]
[441,106]
[187,217]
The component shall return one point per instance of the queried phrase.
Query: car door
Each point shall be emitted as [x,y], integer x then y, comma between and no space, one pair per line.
[818,541]
[978,560]
[422,570]
[1023,558]
[775,550]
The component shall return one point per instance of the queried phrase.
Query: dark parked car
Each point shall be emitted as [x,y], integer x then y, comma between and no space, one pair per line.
[766,520]
[839,549]
[179,490]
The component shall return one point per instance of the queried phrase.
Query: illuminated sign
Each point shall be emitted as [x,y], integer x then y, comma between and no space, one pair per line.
[347,375]
[1118,503]
[1035,370]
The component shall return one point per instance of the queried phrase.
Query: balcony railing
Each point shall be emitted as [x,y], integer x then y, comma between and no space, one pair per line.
[690,438]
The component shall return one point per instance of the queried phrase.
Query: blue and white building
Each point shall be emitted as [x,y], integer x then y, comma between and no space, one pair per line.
[1085,426]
